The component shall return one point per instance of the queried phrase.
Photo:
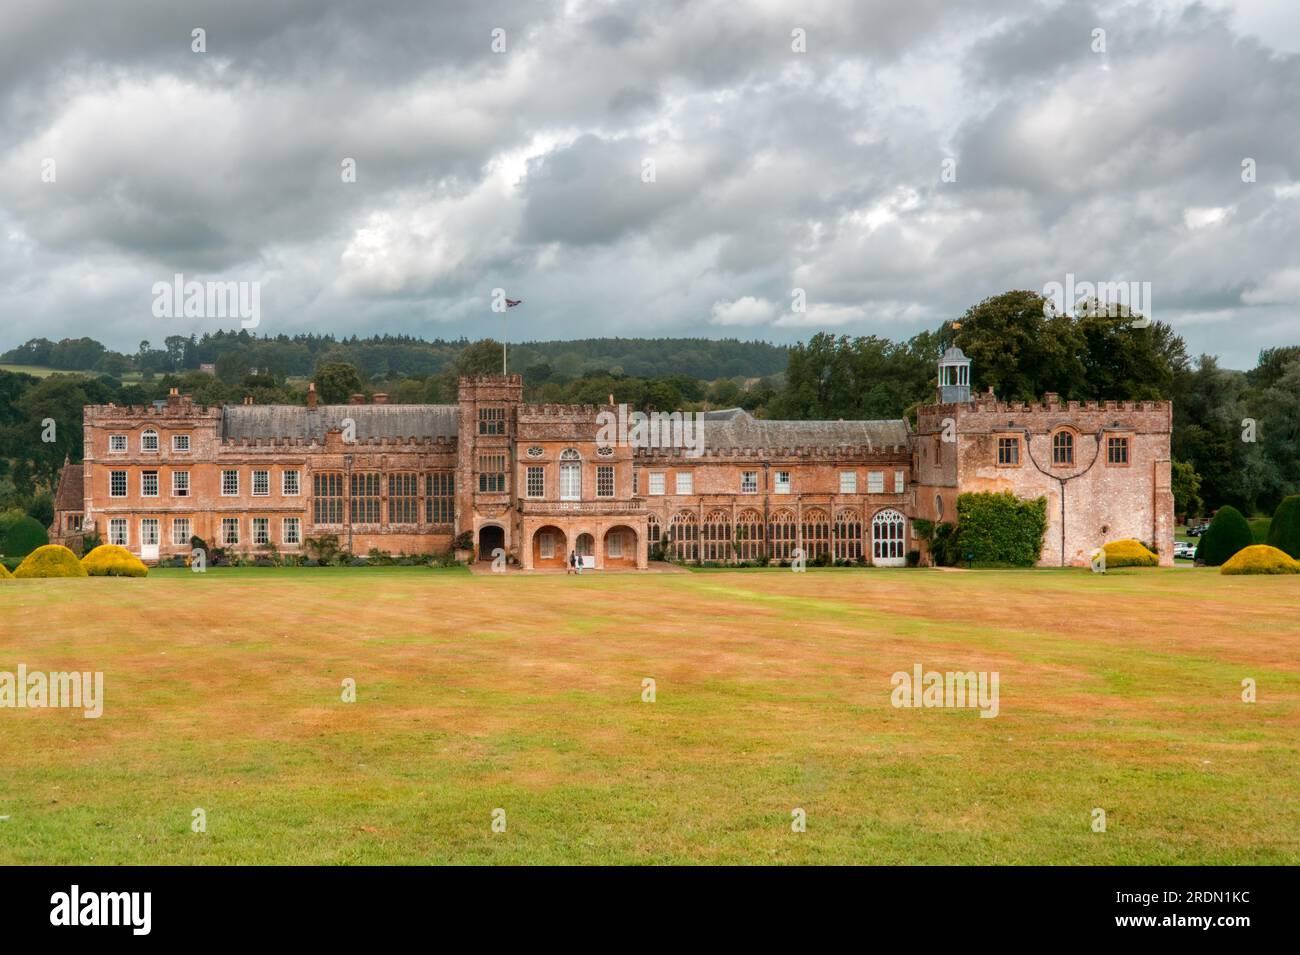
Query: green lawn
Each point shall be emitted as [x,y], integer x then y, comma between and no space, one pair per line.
[524,693]
[37,371]
[40,371]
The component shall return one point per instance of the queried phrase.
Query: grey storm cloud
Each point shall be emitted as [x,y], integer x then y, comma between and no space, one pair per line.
[523,167]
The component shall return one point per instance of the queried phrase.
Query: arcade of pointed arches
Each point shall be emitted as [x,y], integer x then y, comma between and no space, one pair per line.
[721,539]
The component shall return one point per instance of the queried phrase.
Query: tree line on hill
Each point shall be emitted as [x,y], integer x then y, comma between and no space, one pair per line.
[236,354]
[1236,434]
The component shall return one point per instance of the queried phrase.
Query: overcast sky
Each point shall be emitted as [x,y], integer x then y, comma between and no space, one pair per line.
[773,169]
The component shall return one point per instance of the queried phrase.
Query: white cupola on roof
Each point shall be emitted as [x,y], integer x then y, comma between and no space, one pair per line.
[954,377]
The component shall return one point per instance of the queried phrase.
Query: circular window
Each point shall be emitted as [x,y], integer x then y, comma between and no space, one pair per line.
[605,452]
[535,452]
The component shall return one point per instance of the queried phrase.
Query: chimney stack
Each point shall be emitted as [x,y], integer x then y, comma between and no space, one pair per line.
[248,399]
[311,394]
[380,398]
[356,399]
[174,398]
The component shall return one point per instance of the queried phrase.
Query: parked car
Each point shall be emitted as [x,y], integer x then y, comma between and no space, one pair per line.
[1184,549]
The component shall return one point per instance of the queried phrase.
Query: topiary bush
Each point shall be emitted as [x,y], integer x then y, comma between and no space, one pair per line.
[1129,553]
[4,573]
[1284,531]
[1227,534]
[1260,559]
[109,560]
[52,560]
[1001,528]
[20,534]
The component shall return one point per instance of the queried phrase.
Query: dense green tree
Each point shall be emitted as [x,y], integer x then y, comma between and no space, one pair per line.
[335,381]
[1228,533]
[1284,529]
[1186,485]
[20,534]
[1020,351]
[51,409]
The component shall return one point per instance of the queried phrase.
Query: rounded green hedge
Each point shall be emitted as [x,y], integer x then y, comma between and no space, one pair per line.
[1284,531]
[109,560]
[1227,534]
[1260,559]
[20,534]
[52,560]
[1129,553]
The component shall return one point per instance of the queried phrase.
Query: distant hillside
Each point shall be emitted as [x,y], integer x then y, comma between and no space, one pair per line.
[235,354]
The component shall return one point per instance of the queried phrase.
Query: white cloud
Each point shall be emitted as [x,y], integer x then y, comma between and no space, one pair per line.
[1203,218]
[743,311]
[775,170]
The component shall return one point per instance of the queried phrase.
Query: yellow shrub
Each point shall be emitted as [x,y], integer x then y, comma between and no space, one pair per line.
[4,573]
[1260,559]
[1129,553]
[52,560]
[109,560]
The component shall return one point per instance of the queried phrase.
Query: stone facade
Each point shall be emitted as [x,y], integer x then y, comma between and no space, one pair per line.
[1104,466]
[537,483]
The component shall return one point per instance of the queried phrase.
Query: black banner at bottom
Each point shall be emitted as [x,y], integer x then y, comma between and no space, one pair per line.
[143,905]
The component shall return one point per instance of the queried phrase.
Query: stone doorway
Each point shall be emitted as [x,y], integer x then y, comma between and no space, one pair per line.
[586,548]
[490,537]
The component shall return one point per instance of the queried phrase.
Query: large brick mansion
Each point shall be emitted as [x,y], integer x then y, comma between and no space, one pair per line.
[537,481]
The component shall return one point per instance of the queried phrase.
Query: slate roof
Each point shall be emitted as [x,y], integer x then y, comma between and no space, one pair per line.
[252,422]
[737,428]
[71,493]
[730,428]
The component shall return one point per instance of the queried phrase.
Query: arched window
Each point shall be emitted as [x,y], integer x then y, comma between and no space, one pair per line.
[782,531]
[888,539]
[1063,448]
[684,536]
[749,535]
[717,535]
[148,440]
[938,507]
[816,533]
[848,534]
[570,475]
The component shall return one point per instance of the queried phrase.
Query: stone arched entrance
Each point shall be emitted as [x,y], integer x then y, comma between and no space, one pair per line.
[585,545]
[620,547]
[490,537]
[550,547]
